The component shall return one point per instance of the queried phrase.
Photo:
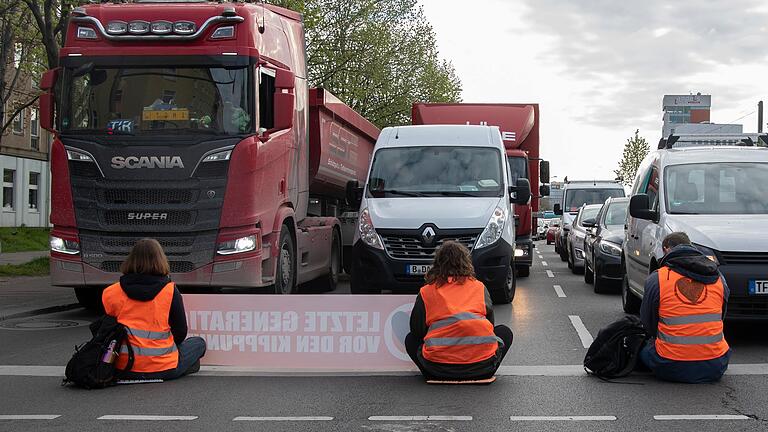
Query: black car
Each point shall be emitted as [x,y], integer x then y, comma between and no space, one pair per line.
[602,245]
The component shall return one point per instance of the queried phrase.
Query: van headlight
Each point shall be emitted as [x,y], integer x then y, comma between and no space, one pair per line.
[493,230]
[367,232]
[609,248]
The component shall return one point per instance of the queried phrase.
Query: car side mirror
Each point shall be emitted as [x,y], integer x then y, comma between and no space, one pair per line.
[589,223]
[521,191]
[640,208]
[354,193]
[544,172]
[285,82]
[544,190]
[558,209]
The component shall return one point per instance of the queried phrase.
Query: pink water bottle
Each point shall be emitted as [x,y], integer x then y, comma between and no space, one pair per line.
[109,355]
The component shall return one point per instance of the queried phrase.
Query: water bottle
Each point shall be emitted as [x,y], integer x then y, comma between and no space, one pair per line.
[109,355]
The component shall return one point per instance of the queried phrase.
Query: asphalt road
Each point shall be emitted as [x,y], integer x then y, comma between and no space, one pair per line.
[550,330]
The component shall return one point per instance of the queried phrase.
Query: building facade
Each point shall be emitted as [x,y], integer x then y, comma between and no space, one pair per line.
[685,109]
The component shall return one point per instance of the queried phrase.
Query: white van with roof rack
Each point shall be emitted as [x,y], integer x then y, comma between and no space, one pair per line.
[715,189]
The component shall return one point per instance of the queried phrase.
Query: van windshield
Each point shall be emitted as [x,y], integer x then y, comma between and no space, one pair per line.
[575,198]
[436,171]
[717,188]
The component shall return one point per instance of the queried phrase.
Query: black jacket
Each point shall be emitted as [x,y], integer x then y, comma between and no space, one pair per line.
[144,287]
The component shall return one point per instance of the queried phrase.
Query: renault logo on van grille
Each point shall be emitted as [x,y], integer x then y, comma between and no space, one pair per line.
[428,235]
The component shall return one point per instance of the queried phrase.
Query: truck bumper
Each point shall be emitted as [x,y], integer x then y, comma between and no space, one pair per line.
[742,305]
[523,251]
[377,271]
[244,272]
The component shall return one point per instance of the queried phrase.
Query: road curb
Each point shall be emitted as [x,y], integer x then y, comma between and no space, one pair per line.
[41,311]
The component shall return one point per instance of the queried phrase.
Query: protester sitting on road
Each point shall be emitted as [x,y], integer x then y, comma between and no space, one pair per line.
[452,334]
[682,310]
[150,306]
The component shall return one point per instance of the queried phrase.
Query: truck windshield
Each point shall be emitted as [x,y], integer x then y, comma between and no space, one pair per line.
[135,101]
[436,171]
[575,198]
[717,188]
[518,168]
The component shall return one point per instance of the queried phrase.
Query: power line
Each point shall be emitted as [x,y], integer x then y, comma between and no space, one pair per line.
[730,122]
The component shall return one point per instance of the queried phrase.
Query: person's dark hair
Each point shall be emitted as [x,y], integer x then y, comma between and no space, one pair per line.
[452,259]
[146,257]
[675,239]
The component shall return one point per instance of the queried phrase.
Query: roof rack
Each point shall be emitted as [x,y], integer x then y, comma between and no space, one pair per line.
[706,140]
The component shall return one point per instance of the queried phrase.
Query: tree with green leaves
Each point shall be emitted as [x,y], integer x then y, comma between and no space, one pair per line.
[635,150]
[378,56]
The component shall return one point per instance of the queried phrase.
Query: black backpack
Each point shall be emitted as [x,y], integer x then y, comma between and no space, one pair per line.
[615,350]
[87,367]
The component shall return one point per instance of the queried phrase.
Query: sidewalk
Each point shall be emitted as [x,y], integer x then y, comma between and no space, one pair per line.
[25,295]
[17,258]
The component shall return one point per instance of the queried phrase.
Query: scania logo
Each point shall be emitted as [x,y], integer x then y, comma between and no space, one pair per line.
[133,162]
[147,216]
[428,235]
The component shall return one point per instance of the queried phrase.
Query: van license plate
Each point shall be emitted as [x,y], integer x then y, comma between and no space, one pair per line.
[417,269]
[758,287]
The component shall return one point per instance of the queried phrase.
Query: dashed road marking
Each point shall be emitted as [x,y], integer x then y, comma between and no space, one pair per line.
[544,263]
[559,291]
[550,274]
[420,418]
[147,417]
[563,418]
[304,418]
[581,330]
[702,417]
[29,416]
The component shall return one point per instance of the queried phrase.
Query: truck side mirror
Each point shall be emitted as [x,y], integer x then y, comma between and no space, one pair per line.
[285,83]
[354,193]
[640,208]
[544,190]
[544,172]
[557,209]
[522,191]
[47,100]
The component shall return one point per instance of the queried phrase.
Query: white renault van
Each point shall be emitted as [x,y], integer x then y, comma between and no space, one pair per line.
[427,185]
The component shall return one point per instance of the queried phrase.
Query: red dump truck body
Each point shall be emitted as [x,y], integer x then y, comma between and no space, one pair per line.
[200,132]
[519,127]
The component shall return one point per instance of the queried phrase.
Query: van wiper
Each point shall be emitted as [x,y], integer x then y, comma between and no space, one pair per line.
[453,193]
[399,192]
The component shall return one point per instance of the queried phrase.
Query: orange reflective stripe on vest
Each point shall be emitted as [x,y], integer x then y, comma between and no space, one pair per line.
[149,332]
[459,332]
[690,318]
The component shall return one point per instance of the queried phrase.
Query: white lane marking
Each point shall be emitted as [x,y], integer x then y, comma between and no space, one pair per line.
[559,291]
[702,417]
[550,274]
[581,330]
[146,417]
[29,416]
[544,263]
[420,418]
[563,418]
[306,418]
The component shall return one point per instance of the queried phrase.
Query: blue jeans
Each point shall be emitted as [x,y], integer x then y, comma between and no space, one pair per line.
[693,372]
[190,352]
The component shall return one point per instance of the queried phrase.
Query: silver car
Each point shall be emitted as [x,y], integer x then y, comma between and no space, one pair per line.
[576,237]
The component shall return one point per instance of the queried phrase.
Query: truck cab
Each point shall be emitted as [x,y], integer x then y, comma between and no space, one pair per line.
[430,184]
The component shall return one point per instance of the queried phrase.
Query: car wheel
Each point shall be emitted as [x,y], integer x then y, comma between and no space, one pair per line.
[506,294]
[285,273]
[629,301]
[588,275]
[570,260]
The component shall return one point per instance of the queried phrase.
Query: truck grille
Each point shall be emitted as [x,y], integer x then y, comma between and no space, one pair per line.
[173,218]
[147,196]
[176,266]
[745,257]
[411,247]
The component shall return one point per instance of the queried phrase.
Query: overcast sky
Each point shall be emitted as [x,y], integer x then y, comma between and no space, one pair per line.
[599,68]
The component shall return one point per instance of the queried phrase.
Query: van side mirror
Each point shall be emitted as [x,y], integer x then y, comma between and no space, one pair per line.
[544,190]
[285,83]
[522,191]
[544,172]
[640,208]
[354,193]
[47,99]
[557,209]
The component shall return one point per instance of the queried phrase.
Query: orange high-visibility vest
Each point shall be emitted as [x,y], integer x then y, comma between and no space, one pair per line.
[689,330]
[459,332]
[149,332]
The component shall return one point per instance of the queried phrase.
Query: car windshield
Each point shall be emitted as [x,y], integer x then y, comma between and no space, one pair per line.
[436,171]
[616,214]
[147,100]
[588,213]
[717,188]
[575,198]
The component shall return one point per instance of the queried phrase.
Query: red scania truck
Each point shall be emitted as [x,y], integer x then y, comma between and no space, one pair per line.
[192,123]
[519,126]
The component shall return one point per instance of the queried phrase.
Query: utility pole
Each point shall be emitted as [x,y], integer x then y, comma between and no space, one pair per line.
[760,117]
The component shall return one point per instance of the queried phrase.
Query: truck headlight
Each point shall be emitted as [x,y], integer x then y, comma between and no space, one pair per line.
[367,232]
[243,244]
[493,230]
[610,248]
[60,245]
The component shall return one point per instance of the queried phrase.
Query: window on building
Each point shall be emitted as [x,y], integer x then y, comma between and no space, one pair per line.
[34,129]
[9,181]
[18,123]
[34,182]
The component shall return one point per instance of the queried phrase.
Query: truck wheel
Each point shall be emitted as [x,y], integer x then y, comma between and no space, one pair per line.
[285,274]
[506,293]
[629,301]
[90,298]
[329,281]
[589,277]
